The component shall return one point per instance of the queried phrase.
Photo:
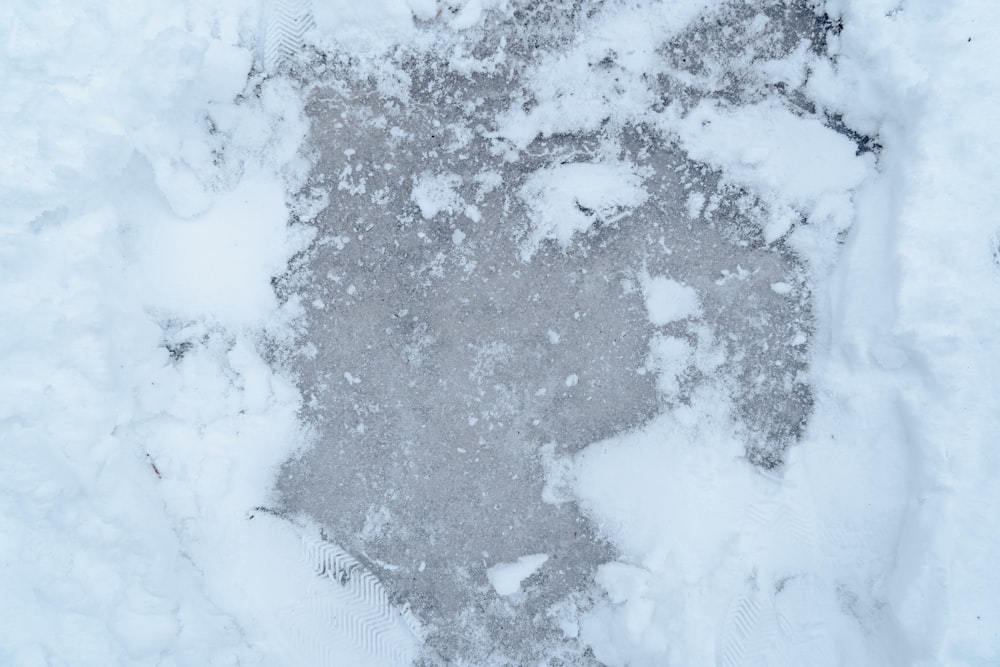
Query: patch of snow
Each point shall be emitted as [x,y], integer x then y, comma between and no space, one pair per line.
[178,263]
[567,199]
[571,95]
[696,204]
[798,164]
[371,28]
[506,578]
[436,193]
[669,358]
[669,301]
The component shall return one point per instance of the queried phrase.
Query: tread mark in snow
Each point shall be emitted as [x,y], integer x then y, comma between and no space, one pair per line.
[755,631]
[780,518]
[354,604]
[286,23]
[748,634]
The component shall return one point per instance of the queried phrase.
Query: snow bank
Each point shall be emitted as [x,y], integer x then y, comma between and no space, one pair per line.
[144,173]
[144,218]
[926,243]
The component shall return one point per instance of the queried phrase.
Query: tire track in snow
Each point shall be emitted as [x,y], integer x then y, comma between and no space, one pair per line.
[350,603]
[757,629]
[286,23]
[750,630]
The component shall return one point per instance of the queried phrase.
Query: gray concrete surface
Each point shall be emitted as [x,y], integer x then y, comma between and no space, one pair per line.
[435,381]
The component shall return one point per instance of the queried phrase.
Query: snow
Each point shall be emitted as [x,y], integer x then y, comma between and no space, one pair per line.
[781,287]
[798,158]
[178,263]
[669,301]
[696,204]
[571,96]
[669,357]
[371,28]
[876,532]
[436,193]
[568,199]
[506,578]
[131,475]
[927,330]
[147,191]
[801,166]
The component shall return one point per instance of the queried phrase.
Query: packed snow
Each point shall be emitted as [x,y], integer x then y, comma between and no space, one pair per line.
[159,190]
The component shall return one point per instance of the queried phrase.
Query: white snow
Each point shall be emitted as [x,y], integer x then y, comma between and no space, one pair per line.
[873,545]
[506,578]
[669,301]
[567,199]
[131,477]
[436,193]
[670,358]
[800,166]
[573,96]
[695,204]
[217,262]
[798,158]
[919,326]
[142,426]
